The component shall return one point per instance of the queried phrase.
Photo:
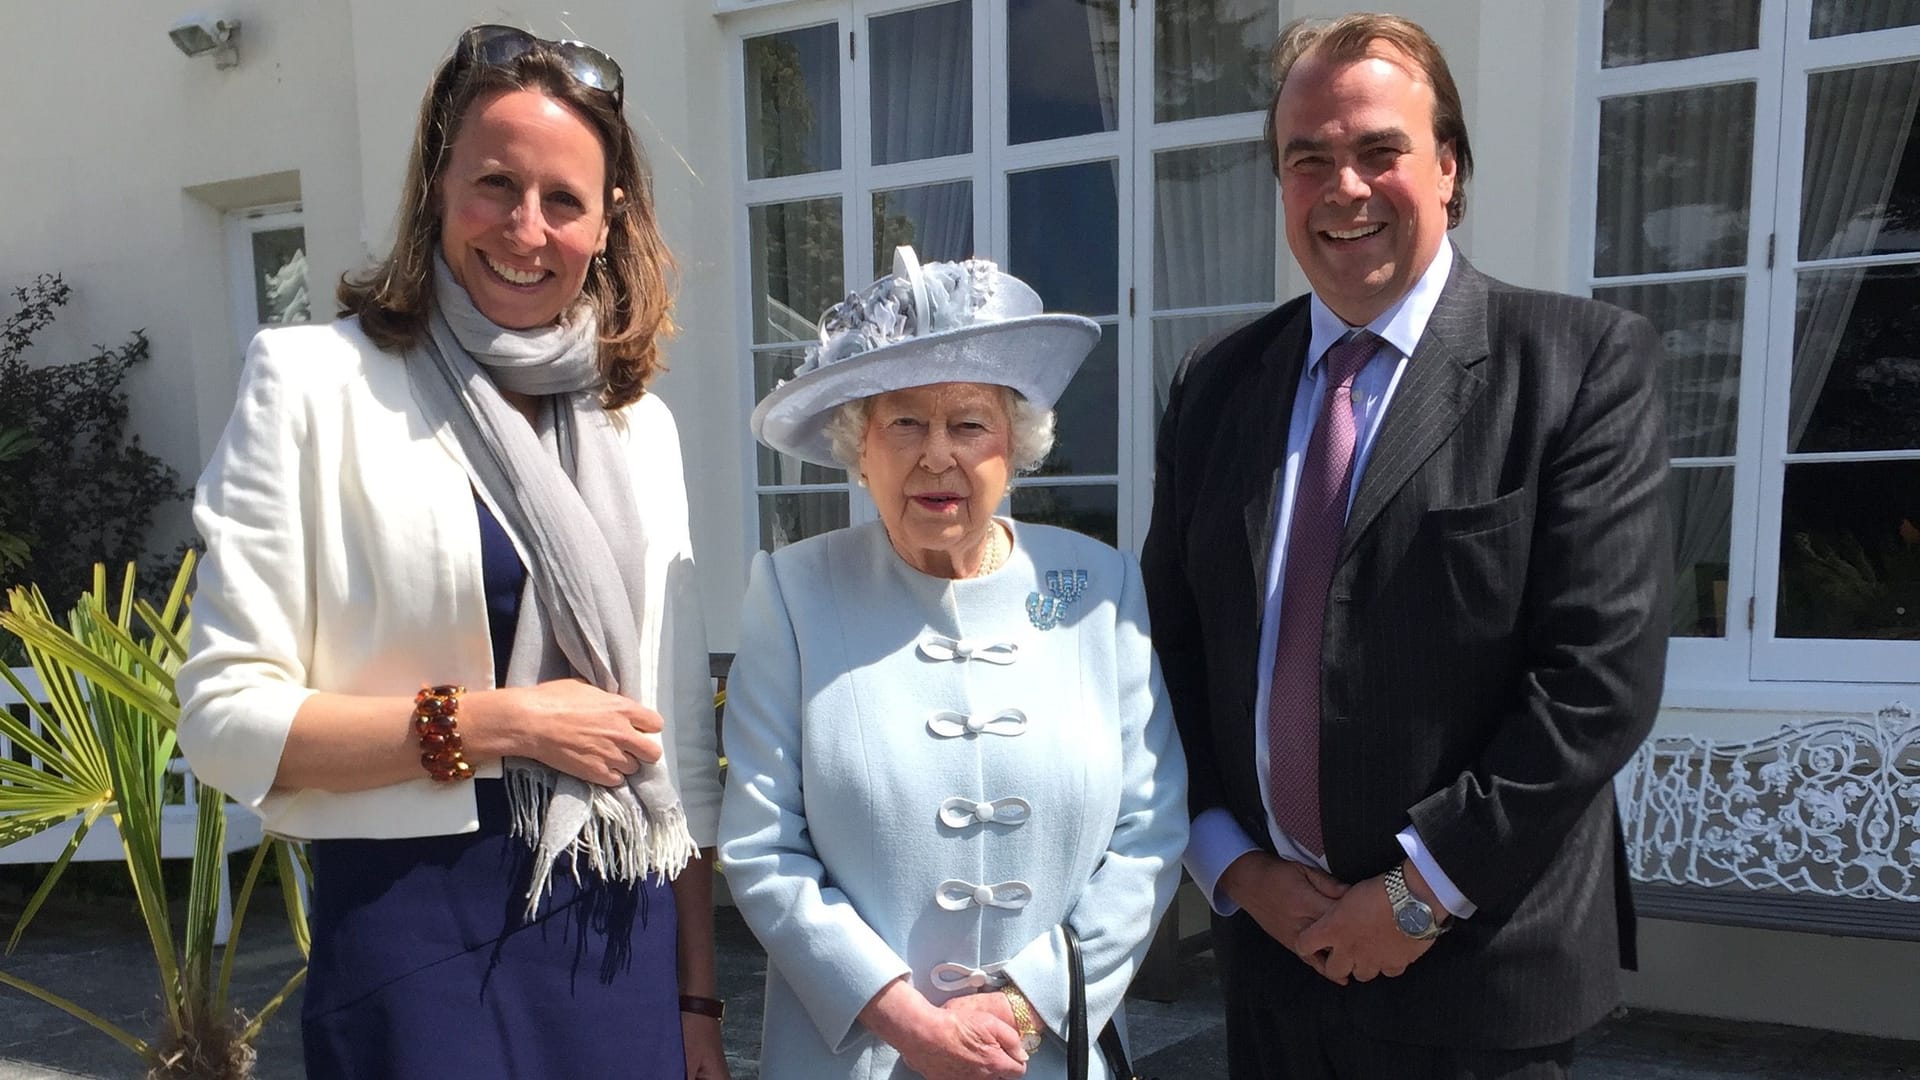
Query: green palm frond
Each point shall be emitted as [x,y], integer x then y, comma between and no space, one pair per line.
[102,739]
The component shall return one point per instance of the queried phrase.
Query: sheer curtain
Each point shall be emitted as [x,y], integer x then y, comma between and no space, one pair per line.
[1213,225]
[922,81]
[1858,125]
[922,107]
[1675,170]
[1103,37]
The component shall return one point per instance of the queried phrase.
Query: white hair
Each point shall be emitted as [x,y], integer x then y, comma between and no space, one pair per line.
[1030,431]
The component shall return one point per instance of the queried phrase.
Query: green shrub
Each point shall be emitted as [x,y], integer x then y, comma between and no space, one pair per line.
[78,490]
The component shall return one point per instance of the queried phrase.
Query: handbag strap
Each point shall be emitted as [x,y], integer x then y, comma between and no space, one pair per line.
[1076,1007]
[1111,1048]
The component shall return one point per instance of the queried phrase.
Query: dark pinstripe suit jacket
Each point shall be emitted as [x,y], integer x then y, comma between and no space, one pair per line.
[1495,638]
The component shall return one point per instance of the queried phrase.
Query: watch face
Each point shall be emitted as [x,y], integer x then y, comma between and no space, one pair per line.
[1414,919]
[1030,1042]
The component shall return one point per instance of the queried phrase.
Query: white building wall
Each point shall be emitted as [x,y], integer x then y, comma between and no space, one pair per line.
[119,156]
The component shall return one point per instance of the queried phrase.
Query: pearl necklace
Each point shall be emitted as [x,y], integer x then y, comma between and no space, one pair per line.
[996,555]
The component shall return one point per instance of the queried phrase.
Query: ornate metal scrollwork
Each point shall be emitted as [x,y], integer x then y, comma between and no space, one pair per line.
[1827,807]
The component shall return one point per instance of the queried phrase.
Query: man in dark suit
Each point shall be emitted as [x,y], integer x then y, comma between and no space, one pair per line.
[1408,571]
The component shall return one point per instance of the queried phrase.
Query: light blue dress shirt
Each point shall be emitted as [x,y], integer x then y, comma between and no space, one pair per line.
[1217,838]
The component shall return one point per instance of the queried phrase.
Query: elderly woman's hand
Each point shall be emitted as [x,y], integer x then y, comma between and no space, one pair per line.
[944,1044]
[571,725]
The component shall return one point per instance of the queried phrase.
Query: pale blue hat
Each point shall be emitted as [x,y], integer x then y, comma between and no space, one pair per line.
[942,322]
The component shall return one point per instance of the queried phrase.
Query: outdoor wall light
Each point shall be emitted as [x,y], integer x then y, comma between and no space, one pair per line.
[198,34]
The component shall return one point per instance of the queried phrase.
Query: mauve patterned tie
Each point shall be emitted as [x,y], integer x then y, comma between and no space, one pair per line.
[1313,543]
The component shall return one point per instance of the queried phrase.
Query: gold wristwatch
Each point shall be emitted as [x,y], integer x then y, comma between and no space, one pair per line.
[1023,1019]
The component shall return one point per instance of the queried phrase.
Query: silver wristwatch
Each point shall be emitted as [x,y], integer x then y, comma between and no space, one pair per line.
[1410,913]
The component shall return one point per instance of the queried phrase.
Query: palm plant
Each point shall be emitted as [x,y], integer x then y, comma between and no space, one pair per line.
[105,747]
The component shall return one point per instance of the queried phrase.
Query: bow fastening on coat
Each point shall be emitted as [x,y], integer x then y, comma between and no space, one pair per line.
[957,895]
[950,725]
[954,978]
[959,811]
[939,647]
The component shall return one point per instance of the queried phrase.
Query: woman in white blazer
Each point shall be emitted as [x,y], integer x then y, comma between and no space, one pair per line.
[446,628]
[947,739]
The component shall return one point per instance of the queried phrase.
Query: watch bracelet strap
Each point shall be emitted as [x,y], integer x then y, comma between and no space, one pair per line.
[1397,891]
[1024,1020]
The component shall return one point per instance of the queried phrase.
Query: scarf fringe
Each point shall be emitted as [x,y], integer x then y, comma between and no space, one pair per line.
[620,841]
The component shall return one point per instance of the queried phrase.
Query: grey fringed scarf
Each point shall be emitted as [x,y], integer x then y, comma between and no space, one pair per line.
[563,493]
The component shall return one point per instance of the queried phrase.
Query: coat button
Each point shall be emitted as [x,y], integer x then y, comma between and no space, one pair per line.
[983,811]
[983,895]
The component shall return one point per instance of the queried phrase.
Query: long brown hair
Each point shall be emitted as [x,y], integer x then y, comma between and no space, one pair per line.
[628,286]
[1351,37]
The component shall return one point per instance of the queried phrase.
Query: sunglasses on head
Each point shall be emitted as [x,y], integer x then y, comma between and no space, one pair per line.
[499,46]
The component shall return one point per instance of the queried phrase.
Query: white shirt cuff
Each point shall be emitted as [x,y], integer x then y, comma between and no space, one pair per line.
[1444,890]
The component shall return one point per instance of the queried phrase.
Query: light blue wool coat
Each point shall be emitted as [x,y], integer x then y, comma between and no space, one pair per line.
[869,830]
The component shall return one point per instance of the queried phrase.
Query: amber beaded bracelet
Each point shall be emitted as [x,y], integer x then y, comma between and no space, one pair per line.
[435,723]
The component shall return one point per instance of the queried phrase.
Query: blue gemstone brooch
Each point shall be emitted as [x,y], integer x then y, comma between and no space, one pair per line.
[1063,588]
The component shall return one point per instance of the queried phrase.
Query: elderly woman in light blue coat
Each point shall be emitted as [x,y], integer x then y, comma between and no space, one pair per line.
[946,732]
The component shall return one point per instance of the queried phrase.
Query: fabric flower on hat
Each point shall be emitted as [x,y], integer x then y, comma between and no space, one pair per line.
[885,312]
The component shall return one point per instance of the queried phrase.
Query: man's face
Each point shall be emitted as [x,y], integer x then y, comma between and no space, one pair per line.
[1362,183]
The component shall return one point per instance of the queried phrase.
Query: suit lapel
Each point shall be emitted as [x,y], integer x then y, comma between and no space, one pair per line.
[1439,384]
[1266,415]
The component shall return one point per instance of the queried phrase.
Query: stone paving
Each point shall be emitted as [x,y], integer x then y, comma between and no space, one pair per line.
[94,952]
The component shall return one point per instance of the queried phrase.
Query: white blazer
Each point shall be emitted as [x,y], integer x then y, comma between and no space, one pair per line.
[343,555]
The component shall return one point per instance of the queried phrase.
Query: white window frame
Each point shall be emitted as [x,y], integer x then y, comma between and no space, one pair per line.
[1133,145]
[1819,660]
[241,225]
[1749,656]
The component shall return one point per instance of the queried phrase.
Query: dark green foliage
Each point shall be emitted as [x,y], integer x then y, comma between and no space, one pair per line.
[81,491]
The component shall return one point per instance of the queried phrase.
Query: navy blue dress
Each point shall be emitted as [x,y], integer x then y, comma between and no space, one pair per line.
[423,966]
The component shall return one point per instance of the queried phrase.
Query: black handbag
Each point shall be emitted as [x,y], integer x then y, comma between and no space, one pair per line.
[1077,1052]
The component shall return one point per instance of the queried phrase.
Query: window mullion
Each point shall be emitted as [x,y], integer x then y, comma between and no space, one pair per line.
[1770,391]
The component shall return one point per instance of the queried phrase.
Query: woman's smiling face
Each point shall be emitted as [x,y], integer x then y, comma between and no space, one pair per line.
[522,210]
[936,461]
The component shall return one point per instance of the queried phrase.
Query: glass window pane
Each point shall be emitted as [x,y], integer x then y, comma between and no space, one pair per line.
[787,518]
[1212,226]
[793,102]
[922,83]
[797,268]
[1210,56]
[280,276]
[1856,369]
[1086,419]
[936,220]
[1172,338]
[1063,68]
[1850,550]
[1702,503]
[1647,31]
[1675,169]
[1700,326]
[1092,509]
[1064,232]
[1834,17]
[1860,188]
[770,368]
